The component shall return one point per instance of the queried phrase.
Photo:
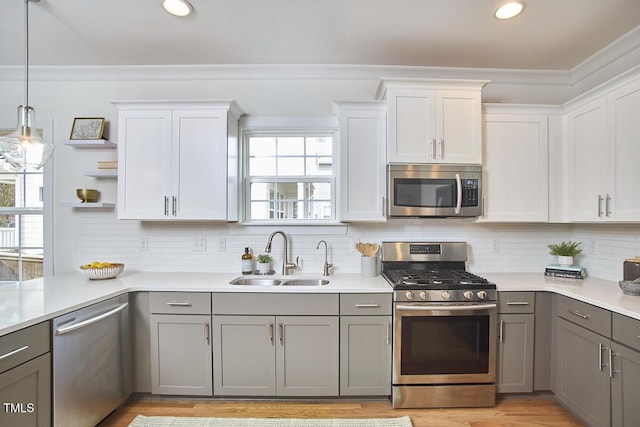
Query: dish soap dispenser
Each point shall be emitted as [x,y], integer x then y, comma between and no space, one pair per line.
[247,262]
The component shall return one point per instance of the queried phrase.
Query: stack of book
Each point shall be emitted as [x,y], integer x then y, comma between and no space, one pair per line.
[113,164]
[569,271]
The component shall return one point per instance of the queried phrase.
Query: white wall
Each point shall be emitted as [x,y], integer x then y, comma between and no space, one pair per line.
[80,236]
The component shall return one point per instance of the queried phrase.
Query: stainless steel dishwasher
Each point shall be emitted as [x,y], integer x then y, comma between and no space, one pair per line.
[91,363]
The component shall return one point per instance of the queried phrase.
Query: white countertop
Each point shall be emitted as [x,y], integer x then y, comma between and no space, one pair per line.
[27,303]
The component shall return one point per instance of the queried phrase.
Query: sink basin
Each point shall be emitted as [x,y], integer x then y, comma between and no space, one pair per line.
[305,282]
[255,282]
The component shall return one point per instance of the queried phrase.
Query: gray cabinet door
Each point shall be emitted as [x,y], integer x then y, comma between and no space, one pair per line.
[625,386]
[181,354]
[582,374]
[365,355]
[307,355]
[515,353]
[244,356]
[25,393]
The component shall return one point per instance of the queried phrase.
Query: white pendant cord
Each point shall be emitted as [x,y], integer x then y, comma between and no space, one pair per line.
[26,52]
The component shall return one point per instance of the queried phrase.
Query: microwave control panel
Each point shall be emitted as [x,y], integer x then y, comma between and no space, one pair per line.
[470,196]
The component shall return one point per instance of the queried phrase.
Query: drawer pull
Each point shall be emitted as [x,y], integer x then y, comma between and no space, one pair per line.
[179,304]
[577,313]
[367,305]
[14,352]
[517,302]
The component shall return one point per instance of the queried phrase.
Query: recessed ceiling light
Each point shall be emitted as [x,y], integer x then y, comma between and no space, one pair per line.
[509,10]
[177,7]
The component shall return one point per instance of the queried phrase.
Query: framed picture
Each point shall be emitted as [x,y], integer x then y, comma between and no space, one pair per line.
[87,128]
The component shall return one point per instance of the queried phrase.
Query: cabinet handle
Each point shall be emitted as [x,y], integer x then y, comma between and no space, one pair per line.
[432,148]
[500,331]
[11,353]
[388,333]
[600,348]
[281,327]
[577,313]
[367,305]
[174,205]
[517,302]
[600,206]
[166,206]
[206,332]
[384,206]
[610,351]
[607,211]
[441,148]
[179,304]
[271,332]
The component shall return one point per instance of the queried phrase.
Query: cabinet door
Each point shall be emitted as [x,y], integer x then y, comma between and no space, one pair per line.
[412,126]
[624,105]
[244,356]
[582,377]
[199,164]
[516,167]
[25,393]
[307,356]
[625,386]
[515,353]
[588,162]
[458,126]
[144,164]
[181,354]
[362,159]
[365,355]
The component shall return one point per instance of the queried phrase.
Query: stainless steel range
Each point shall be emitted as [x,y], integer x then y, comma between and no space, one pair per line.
[445,327]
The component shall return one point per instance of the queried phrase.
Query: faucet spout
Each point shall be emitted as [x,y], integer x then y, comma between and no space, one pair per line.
[286,265]
[326,266]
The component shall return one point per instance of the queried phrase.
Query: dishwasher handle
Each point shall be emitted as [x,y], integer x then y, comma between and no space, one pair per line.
[90,321]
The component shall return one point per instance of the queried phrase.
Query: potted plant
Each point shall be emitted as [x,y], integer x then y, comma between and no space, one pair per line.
[565,251]
[264,263]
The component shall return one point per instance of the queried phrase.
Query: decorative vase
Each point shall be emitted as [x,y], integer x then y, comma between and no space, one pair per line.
[565,260]
[264,267]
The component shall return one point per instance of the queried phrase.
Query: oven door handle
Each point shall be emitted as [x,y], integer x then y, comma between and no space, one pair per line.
[459,201]
[446,307]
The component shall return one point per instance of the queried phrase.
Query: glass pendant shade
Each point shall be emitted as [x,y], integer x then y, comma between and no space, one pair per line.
[25,148]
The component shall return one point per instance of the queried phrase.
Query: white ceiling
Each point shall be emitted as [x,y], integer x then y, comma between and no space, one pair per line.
[550,35]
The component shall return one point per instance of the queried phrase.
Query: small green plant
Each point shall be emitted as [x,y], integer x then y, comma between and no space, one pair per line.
[565,249]
[264,258]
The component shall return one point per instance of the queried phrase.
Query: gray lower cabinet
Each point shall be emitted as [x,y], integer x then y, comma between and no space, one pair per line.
[25,377]
[275,344]
[625,371]
[516,322]
[582,367]
[181,359]
[365,344]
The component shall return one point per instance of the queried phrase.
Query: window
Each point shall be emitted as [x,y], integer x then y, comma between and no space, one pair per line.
[289,176]
[21,224]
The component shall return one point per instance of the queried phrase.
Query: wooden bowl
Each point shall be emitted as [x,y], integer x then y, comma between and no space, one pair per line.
[87,195]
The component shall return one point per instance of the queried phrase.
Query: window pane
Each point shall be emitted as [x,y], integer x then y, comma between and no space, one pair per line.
[319,146]
[8,235]
[262,166]
[260,210]
[262,146]
[320,191]
[288,166]
[319,166]
[291,146]
[32,226]
[319,210]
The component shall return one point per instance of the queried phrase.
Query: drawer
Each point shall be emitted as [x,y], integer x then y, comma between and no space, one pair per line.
[516,302]
[586,315]
[25,344]
[275,304]
[365,304]
[626,330]
[180,302]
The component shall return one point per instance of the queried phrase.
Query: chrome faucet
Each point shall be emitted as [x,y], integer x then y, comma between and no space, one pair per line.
[286,265]
[327,266]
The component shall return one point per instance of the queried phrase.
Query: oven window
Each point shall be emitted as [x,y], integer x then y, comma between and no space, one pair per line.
[445,345]
[428,193]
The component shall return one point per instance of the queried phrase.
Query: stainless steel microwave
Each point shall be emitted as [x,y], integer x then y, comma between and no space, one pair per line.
[434,190]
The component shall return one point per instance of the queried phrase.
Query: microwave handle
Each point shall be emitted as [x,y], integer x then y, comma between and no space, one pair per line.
[458,207]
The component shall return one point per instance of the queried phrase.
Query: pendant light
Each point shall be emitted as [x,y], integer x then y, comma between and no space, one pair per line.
[25,148]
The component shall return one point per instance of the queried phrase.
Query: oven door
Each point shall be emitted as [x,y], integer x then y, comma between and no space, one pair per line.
[444,344]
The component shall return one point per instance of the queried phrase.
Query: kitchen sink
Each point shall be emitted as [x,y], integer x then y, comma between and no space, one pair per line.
[305,282]
[255,282]
[260,281]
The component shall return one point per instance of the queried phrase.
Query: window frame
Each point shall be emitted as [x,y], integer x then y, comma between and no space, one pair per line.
[287,127]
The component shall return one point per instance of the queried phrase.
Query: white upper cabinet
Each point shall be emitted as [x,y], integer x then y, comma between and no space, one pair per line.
[433,121]
[178,161]
[516,164]
[361,160]
[603,157]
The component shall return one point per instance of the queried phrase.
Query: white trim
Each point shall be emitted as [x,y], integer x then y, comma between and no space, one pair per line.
[47,204]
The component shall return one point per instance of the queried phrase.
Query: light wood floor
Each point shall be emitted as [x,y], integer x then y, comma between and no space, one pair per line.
[510,411]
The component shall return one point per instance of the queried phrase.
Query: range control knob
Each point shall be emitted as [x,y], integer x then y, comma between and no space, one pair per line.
[409,295]
[482,295]
[446,295]
[468,294]
[424,295]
